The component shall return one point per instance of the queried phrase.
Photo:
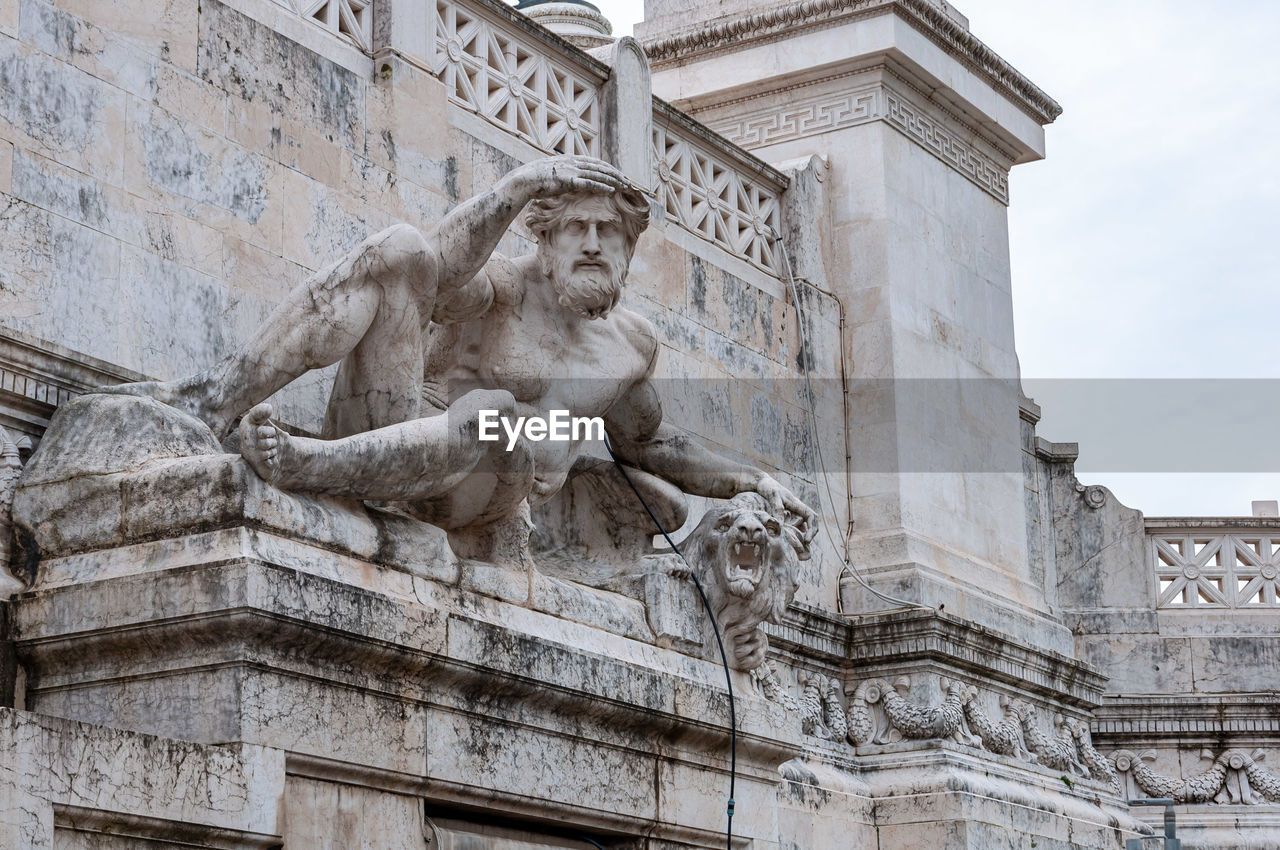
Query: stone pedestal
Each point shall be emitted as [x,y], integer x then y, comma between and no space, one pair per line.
[386,677]
[899,129]
[394,684]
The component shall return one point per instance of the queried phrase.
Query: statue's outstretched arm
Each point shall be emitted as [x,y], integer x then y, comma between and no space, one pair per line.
[640,438]
[467,236]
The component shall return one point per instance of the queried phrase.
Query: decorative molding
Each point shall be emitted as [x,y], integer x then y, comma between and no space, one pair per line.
[1058,751]
[1095,762]
[786,19]
[1234,778]
[495,69]
[1004,738]
[765,677]
[143,828]
[917,721]
[37,376]
[830,111]
[1201,717]
[916,637]
[349,19]
[822,714]
[879,713]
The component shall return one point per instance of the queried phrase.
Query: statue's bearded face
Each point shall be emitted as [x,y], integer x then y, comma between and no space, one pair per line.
[585,255]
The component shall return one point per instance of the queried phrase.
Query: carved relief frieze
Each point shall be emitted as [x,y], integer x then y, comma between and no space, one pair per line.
[878,713]
[1057,751]
[1004,738]
[1234,777]
[786,20]
[822,712]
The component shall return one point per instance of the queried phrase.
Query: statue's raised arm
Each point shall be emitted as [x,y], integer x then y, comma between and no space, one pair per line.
[467,236]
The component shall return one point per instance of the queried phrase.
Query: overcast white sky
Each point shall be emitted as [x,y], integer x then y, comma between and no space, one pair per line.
[1147,244]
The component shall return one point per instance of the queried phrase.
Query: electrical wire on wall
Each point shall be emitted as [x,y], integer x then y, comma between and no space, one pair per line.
[715,627]
[806,359]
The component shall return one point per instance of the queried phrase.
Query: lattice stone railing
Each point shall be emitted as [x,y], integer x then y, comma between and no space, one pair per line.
[350,19]
[1218,567]
[533,86]
[494,68]
[707,193]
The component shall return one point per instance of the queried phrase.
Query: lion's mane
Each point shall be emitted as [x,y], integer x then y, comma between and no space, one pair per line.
[740,615]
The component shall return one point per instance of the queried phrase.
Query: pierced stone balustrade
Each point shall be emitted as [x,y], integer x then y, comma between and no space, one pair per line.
[1215,563]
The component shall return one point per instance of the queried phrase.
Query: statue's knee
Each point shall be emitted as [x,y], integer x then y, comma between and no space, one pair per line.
[402,238]
[477,418]
[401,248]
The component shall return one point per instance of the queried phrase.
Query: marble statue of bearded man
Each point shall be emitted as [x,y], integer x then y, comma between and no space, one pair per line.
[434,329]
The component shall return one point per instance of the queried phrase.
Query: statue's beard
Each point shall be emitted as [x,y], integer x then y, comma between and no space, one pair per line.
[590,291]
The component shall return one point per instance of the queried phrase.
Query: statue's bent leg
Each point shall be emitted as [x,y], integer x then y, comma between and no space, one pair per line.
[437,466]
[319,323]
[380,380]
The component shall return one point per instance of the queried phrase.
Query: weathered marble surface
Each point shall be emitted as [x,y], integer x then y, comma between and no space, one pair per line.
[432,332]
[10,469]
[404,685]
[64,782]
[214,156]
[209,191]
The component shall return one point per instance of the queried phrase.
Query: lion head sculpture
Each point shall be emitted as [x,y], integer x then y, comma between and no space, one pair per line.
[745,558]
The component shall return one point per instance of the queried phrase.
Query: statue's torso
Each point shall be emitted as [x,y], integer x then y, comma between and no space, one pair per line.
[550,361]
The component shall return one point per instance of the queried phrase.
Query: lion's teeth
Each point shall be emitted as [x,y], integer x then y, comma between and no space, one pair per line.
[737,548]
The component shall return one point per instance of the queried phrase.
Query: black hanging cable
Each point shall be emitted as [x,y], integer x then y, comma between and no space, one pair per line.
[715,627]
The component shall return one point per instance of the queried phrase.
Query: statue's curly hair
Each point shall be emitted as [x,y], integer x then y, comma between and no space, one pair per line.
[544,214]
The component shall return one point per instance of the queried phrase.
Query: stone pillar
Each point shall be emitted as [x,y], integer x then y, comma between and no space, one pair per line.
[628,111]
[405,29]
[898,129]
[919,124]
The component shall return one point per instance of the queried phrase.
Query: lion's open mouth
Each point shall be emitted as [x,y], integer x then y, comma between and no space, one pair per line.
[743,568]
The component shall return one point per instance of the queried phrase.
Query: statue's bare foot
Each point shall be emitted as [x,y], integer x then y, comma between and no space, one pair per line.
[188,395]
[288,462]
[266,448]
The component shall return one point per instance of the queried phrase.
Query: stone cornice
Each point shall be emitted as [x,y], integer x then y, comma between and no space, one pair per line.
[926,635]
[36,376]
[871,640]
[926,17]
[1192,715]
[1164,523]
[813,108]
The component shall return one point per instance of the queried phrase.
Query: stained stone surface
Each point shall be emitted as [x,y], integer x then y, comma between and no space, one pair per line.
[202,653]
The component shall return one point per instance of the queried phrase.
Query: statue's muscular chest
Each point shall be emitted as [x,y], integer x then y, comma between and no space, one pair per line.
[584,367]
